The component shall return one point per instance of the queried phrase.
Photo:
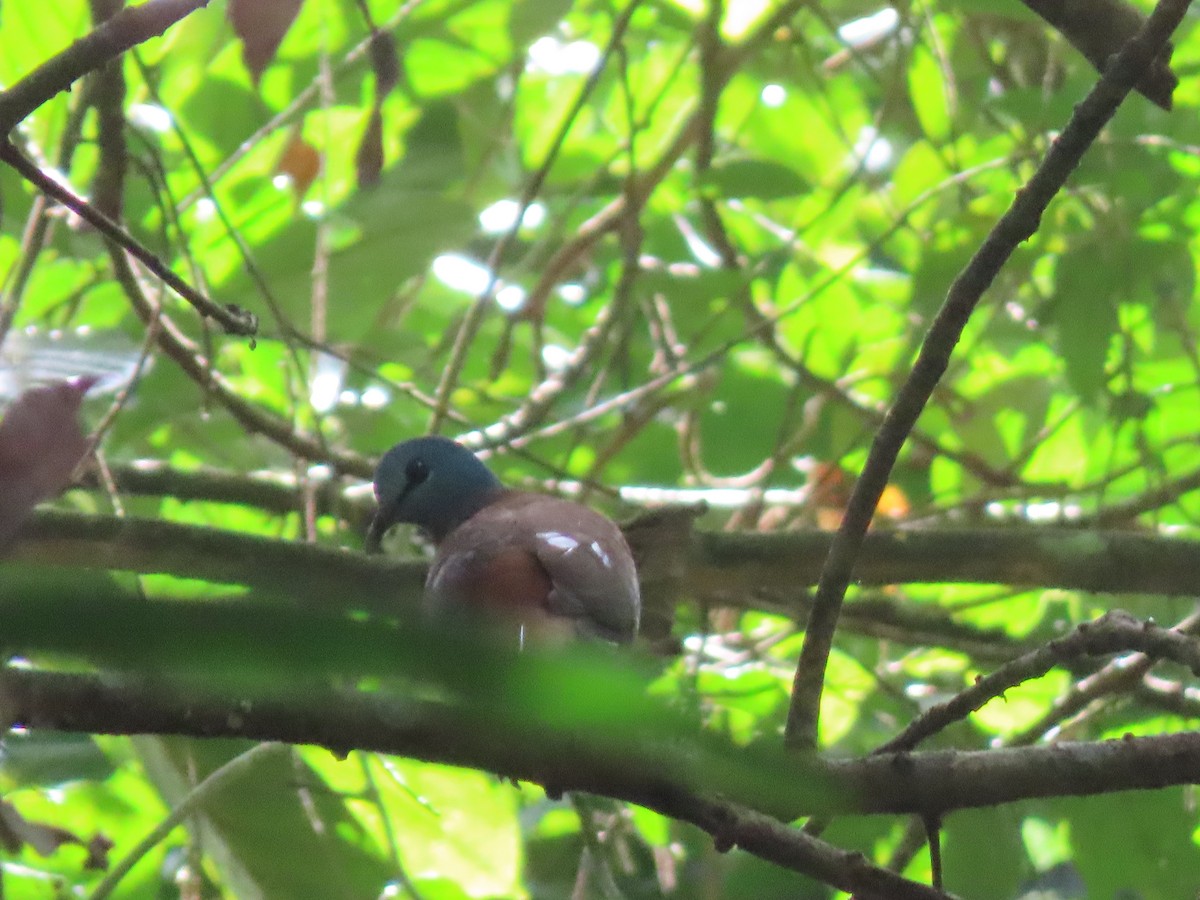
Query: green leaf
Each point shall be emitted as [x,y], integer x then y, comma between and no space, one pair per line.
[223,111]
[50,758]
[398,231]
[982,853]
[1138,841]
[1086,316]
[454,820]
[277,829]
[530,19]
[758,178]
[928,90]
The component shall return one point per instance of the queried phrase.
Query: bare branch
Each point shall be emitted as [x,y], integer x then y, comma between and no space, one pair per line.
[1018,224]
[122,32]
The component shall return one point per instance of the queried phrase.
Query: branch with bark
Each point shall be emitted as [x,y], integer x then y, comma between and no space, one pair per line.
[1018,224]
[745,570]
[742,796]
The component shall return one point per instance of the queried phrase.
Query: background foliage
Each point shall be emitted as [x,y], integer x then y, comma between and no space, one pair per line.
[640,252]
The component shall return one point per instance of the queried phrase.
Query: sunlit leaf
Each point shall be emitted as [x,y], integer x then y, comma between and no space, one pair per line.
[1086,316]
[729,256]
[276,827]
[982,853]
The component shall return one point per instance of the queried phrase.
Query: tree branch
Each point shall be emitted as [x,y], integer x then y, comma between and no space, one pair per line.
[1099,29]
[122,32]
[738,569]
[1018,224]
[125,30]
[1114,632]
[305,573]
[760,787]
[233,320]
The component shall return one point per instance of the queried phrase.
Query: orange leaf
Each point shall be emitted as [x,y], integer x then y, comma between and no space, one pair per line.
[893,503]
[828,485]
[300,162]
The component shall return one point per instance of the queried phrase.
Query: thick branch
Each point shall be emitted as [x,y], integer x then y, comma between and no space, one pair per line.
[306,573]
[1099,29]
[1105,562]
[434,732]
[666,775]
[747,569]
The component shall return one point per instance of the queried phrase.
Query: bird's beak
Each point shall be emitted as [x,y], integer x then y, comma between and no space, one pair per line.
[375,532]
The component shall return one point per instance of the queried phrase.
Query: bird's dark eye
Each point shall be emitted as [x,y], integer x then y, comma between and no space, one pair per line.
[416,471]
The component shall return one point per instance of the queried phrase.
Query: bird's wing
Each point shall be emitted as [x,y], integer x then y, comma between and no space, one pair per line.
[593,582]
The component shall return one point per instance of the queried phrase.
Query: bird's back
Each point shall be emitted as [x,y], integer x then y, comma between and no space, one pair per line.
[550,564]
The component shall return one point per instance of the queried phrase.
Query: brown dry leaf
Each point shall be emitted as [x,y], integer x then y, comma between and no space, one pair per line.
[385,61]
[261,25]
[829,486]
[300,162]
[97,852]
[41,443]
[16,831]
[368,161]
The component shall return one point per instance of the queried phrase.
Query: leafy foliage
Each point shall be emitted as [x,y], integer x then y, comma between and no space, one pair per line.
[642,252]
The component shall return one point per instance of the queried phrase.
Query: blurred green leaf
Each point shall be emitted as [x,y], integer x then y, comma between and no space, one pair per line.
[48,758]
[928,91]
[1134,842]
[758,178]
[1086,316]
[277,829]
[982,853]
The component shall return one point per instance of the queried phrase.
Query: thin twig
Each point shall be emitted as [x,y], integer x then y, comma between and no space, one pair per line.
[231,771]
[233,320]
[474,318]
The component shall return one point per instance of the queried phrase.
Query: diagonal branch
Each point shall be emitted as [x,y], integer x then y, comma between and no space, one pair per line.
[122,32]
[1114,632]
[1018,224]
[232,319]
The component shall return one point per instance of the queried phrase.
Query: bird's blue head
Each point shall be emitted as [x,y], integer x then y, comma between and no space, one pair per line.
[431,482]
